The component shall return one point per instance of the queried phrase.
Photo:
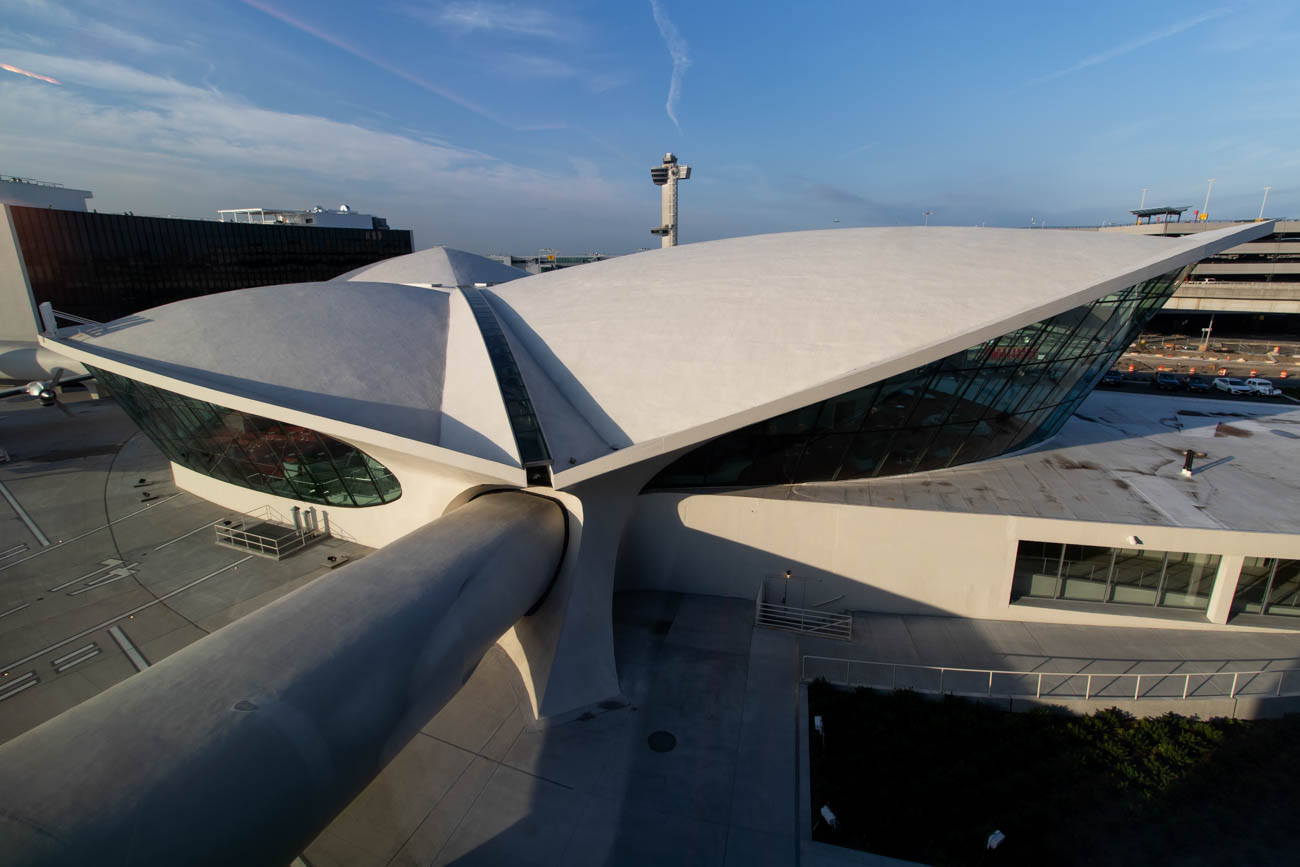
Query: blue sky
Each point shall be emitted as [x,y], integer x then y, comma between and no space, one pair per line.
[510,126]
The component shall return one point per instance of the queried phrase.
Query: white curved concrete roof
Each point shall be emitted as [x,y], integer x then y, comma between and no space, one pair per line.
[438,266]
[633,357]
[374,355]
[664,348]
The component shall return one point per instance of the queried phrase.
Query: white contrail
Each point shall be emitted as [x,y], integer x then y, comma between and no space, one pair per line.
[1125,48]
[677,49]
[20,71]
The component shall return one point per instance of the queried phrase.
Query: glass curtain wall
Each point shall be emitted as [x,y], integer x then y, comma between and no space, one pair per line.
[1132,576]
[251,451]
[106,266]
[1003,394]
[1269,585]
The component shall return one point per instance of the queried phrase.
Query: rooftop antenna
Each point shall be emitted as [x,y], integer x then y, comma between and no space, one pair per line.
[666,175]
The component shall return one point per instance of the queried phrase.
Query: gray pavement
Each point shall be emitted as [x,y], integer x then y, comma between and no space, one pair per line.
[82,551]
[482,786]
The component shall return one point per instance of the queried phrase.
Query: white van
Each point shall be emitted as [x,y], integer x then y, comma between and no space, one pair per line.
[1263,386]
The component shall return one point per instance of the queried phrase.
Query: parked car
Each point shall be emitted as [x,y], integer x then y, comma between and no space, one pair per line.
[1263,386]
[1168,382]
[1198,383]
[1232,385]
[1113,377]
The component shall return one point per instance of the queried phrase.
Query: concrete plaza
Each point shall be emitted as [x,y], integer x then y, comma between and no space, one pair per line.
[481,785]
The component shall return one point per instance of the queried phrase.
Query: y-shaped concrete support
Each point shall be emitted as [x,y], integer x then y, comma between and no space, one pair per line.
[565,653]
[240,748]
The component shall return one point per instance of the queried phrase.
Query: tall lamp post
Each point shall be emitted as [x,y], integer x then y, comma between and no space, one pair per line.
[1205,210]
[1261,205]
[1142,204]
[927,217]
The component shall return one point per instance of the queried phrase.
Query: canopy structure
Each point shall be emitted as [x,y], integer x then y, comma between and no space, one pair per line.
[1144,215]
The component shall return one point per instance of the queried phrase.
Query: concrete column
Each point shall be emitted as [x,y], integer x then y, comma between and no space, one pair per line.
[1225,587]
[565,651]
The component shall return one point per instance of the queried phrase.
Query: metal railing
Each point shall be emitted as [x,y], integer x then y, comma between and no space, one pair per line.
[14,179]
[251,532]
[72,317]
[50,318]
[808,621]
[990,683]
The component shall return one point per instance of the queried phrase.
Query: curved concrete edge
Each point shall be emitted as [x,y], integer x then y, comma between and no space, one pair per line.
[240,748]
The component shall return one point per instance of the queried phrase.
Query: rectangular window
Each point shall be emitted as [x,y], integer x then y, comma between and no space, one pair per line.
[1268,586]
[1125,576]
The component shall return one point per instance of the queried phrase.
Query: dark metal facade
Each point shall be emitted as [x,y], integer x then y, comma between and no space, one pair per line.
[106,266]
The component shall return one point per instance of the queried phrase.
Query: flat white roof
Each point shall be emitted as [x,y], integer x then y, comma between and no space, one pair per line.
[1118,460]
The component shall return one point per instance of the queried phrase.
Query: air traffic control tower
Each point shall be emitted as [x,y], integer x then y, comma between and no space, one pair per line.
[667,175]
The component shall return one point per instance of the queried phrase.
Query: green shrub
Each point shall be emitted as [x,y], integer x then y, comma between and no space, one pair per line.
[927,780]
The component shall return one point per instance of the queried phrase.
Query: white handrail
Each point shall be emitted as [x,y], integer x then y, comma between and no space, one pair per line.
[1088,691]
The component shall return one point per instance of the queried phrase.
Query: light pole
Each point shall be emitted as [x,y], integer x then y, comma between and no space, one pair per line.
[1205,210]
[927,217]
[1142,204]
[1261,205]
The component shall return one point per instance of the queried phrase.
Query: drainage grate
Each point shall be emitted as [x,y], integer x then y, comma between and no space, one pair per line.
[661,741]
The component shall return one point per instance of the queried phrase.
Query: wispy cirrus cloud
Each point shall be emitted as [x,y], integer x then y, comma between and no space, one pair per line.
[525,67]
[540,66]
[501,17]
[198,145]
[533,66]
[18,70]
[355,51]
[89,31]
[1133,45]
[681,59]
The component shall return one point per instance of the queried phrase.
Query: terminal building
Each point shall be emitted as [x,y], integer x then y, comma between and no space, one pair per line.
[740,418]
[715,414]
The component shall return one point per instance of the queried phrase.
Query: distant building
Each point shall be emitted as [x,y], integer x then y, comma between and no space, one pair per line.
[323,218]
[41,194]
[1250,288]
[547,260]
